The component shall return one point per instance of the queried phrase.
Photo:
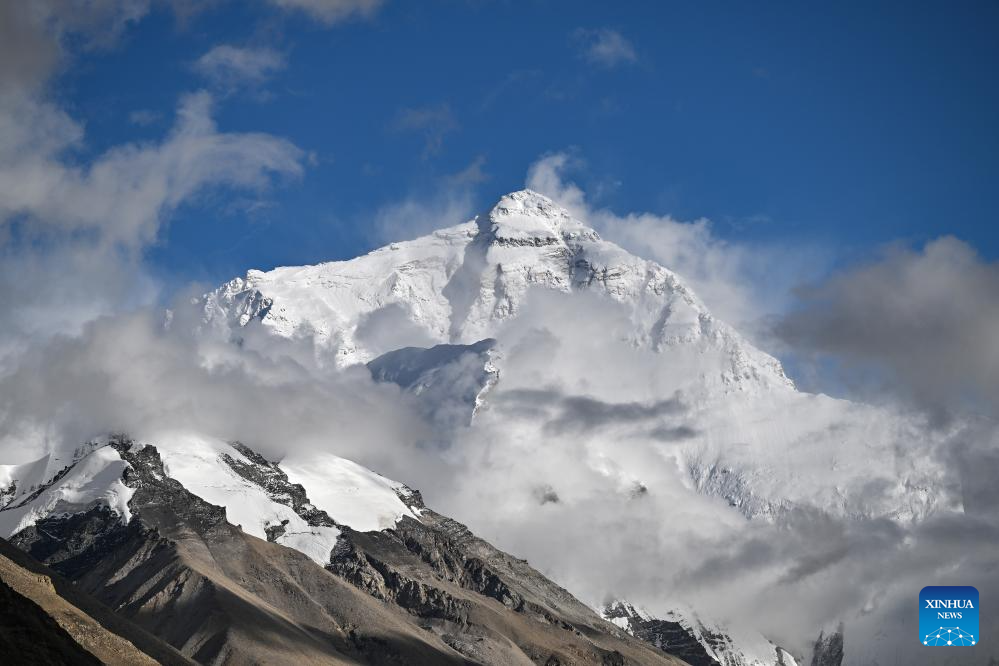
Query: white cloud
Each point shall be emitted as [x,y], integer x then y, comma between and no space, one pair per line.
[229,67]
[73,229]
[125,193]
[332,11]
[604,47]
[417,215]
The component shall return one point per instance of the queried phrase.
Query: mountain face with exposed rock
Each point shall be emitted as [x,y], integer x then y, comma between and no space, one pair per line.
[378,578]
[564,377]
[685,635]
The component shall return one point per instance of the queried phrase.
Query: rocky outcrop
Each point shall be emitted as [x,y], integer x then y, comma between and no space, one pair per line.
[459,587]
[274,481]
[670,637]
[828,650]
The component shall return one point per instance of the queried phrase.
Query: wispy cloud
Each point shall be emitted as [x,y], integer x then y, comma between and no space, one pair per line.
[228,67]
[332,11]
[125,193]
[604,47]
[144,117]
[473,174]
[93,217]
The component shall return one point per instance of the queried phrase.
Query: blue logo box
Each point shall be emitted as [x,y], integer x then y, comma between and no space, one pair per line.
[948,616]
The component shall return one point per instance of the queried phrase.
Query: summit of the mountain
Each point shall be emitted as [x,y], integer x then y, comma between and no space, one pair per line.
[526,217]
[461,284]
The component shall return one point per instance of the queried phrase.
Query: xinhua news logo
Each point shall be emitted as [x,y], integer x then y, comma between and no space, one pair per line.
[948,616]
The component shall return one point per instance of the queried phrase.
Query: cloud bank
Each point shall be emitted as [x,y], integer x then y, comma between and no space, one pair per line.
[922,323]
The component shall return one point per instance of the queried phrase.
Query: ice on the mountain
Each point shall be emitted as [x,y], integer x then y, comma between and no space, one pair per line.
[351,494]
[197,463]
[93,481]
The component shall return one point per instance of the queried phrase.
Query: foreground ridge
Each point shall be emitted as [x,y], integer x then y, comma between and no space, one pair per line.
[425,591]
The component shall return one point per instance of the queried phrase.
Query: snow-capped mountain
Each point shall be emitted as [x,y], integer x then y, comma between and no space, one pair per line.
[465,284]
[448,318]
[459,284]
[570,389]
[264,500]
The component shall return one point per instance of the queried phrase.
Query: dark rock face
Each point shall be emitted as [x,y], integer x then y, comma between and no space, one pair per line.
[75,543]
[828,650]
[670,637]
[7,493]
[447,380]
[275,482]
[384,582]
[454,583]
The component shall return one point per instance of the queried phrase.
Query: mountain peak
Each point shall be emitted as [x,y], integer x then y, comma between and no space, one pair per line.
[460,284]
[526,217]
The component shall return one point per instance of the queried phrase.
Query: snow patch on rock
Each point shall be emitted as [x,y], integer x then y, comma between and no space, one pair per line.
[92,481]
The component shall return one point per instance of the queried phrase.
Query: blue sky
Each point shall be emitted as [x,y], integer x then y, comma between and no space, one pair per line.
[843,124]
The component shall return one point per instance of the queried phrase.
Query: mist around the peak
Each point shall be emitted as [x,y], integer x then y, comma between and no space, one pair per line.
[580,463]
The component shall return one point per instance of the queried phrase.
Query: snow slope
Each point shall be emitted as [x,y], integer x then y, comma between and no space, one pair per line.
[351,494]
[92,481]
[341,492]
